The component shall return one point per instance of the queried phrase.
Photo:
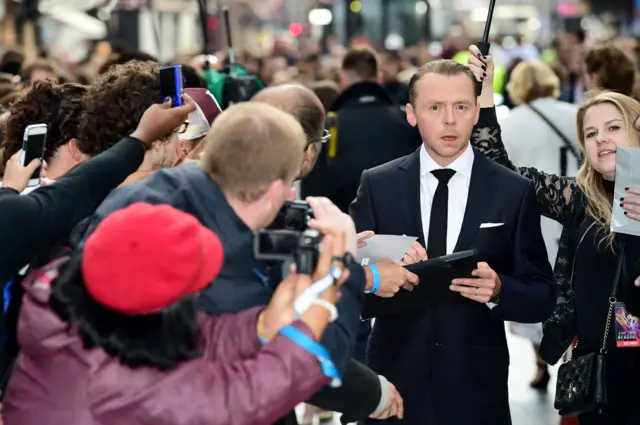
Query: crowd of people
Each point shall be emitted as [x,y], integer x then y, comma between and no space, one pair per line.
[133,290]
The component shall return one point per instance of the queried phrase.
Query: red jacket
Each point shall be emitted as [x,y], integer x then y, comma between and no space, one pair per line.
[237,381]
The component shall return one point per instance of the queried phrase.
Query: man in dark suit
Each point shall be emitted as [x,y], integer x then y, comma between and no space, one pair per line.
[450,362]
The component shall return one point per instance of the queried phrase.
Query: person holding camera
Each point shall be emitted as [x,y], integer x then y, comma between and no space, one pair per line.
[237,188]
[103,343]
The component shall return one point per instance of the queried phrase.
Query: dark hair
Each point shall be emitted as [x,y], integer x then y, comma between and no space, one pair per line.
[192,78]
[115,102]
[124,57]
[327,91]
[613,69]
[161,340]
[441,67]
[58,106]
[310,116]
[362,61]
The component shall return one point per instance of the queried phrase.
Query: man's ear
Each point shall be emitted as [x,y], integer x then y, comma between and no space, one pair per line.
[411,115]
[74,150]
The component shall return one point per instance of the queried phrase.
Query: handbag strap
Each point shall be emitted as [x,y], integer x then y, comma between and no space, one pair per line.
[614,290]
[556,130]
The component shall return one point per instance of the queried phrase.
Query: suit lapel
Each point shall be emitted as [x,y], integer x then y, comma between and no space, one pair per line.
[410,181]
[477,201]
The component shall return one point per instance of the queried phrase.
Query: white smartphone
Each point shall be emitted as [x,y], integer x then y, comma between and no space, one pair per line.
[33,143]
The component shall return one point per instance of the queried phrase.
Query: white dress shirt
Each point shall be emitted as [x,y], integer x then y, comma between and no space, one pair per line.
[458,193]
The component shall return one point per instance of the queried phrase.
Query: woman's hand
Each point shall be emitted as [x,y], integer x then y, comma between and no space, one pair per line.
[16,176]
[631,203]
[482,67]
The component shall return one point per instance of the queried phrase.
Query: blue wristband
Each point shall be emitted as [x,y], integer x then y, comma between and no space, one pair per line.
[321,353]
[376,278]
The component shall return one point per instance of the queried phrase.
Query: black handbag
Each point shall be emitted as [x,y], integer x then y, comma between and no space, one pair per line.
[582,383]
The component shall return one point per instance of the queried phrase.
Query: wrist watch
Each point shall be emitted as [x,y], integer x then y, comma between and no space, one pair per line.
[496,299]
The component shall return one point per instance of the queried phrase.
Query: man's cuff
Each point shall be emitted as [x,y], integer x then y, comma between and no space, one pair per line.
[384,396]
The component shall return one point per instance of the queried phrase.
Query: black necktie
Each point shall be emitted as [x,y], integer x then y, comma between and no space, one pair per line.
[437,241]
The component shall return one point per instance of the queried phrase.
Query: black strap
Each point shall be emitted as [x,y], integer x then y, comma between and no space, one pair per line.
[564,138]
[622,243]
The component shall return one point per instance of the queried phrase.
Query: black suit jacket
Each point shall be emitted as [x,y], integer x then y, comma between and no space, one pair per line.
[450,362]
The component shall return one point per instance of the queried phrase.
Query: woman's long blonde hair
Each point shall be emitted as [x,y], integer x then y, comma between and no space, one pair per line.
[590,181]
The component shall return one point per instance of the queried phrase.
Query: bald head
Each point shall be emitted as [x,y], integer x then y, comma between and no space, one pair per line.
[299,101]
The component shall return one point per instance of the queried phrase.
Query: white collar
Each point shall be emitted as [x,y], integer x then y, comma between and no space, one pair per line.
[463,164]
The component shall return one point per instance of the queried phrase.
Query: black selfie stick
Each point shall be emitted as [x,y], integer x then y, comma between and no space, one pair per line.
[202,6]
[232,53]
[484,45]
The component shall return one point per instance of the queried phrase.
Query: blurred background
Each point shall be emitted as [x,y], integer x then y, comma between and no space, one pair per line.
[302,37]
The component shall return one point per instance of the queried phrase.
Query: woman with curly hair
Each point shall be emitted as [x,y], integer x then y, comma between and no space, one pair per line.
[58,106]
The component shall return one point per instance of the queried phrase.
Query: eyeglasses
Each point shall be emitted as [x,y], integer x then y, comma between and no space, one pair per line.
[183,127]
[324,139]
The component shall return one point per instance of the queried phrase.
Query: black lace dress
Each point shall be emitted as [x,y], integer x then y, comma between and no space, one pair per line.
[582,303]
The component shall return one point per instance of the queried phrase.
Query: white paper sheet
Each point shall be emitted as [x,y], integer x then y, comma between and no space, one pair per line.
[627,175]
[384,247]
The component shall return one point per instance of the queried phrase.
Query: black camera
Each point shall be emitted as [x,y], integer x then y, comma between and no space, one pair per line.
[294,215]
[303,248]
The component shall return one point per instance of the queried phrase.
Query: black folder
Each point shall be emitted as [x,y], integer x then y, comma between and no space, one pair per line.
[435,279]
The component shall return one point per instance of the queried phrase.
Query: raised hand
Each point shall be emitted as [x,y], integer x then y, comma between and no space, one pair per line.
[482,67]
[160,120]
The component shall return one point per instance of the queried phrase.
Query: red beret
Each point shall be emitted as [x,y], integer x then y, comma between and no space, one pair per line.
[144,258]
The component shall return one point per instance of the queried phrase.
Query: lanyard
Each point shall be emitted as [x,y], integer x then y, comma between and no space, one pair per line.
[316,289]
[322,355]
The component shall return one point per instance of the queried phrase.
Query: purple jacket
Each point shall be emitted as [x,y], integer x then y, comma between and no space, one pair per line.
[237,381]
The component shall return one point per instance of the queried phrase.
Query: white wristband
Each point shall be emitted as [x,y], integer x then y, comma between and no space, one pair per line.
[333,311]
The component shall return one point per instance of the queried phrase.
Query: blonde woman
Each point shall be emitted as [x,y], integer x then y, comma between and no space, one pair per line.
[588,253]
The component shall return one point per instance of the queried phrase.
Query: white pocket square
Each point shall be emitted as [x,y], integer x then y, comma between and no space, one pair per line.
[487,225]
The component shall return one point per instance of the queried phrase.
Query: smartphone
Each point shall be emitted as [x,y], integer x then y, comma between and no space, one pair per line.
[278,245]
[33,143]
[172,84]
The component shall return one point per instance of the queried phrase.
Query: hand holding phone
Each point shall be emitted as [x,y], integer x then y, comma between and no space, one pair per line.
[16,176]
[33,144]
[172,84]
